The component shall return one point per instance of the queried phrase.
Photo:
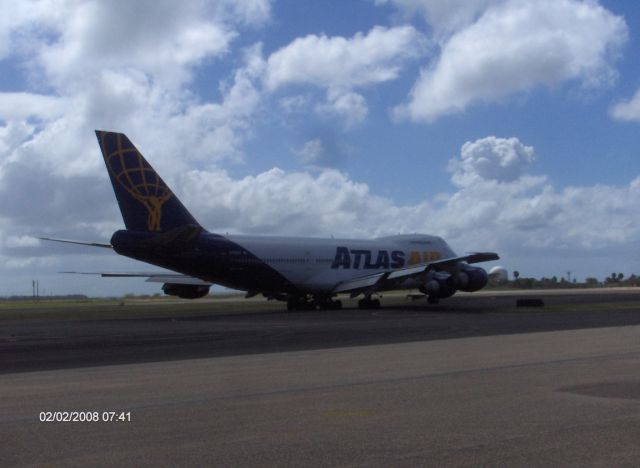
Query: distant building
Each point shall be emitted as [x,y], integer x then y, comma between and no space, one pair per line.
[498,274]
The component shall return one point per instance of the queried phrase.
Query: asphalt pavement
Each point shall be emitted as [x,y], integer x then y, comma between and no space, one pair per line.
[470,382]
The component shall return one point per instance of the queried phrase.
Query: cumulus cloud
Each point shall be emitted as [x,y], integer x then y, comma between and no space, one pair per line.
[515,46]
[627,110]
[351,106]
[499,198]
[340,65]
[21,241]
[121,66]
[325,150]
[294,104]
[444,16]
[20,106]
[160,38]
[311,152]
[252,12]
[491,158]
[337,62]
[497,204]
[277,202]
[85,73]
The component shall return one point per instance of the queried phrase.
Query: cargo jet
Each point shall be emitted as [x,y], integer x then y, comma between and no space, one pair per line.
[305,272]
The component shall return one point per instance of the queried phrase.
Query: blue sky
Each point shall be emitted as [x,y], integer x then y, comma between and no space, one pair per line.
[501,125]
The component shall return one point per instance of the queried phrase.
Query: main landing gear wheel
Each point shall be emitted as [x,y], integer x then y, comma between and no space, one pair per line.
[368,303]
[297,303]
[329,304]
[302,303]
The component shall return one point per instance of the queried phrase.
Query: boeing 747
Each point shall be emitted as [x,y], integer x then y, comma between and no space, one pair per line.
[304,272]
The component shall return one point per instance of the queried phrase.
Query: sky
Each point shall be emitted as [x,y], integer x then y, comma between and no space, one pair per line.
[501,125]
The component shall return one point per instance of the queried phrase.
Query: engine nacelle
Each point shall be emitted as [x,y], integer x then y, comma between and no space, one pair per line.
[185,291]
[470,279]
[438,288]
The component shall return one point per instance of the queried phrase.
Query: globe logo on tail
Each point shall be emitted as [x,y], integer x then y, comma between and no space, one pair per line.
[133,173]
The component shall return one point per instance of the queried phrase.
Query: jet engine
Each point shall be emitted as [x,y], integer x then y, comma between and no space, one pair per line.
[185,291]
[438,288]
[469,279]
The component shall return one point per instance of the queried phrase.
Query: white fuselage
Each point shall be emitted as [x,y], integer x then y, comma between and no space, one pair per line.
[318,265]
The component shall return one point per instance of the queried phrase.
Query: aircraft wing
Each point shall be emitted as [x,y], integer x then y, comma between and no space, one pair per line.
[373,282]
[361,282]
[172,278]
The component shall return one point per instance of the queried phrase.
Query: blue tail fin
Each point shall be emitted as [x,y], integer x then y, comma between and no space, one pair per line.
[146,203]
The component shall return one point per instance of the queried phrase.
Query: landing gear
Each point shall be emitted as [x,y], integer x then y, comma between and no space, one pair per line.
[433,299]
[313,303]
[330,305]
[300,303]
[368,303]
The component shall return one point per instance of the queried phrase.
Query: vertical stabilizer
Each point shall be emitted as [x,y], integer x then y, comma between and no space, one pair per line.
[146,202]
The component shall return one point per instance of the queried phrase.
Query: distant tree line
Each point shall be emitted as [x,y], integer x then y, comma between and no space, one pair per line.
[615,279]
[68,297]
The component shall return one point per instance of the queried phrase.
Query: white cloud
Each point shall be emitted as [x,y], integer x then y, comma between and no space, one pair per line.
[339,65]
[349,105]
[162,39]
[12,136]
[253,12]
[277,202]
[311,152]
[325,151]
[120,66]
[21,241]
[294,104]
[444,16]
[627,110]
[500,202]
[499,205]
[337,62]
[516,46]
[491,158]
[16,24]
[86,73]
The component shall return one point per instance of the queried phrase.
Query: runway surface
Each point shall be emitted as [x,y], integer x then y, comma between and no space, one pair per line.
[182,331]
[474,381]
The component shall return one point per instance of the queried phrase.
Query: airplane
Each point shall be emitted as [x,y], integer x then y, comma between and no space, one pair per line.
[307,273]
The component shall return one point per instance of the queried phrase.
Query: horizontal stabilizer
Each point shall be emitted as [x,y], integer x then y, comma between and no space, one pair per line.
[173,278]
[90,244]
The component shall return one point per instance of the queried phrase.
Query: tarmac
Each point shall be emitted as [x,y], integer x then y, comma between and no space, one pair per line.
[473,381]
